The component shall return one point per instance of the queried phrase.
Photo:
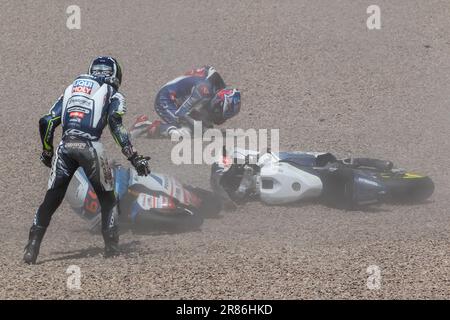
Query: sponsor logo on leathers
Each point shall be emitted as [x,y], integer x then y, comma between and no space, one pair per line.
[75,145]
[80,133]
[82,86]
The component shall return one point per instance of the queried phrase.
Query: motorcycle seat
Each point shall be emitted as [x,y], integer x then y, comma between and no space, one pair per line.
[307,159]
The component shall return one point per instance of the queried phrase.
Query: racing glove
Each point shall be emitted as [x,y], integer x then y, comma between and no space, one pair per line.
[140,163]
[46,158]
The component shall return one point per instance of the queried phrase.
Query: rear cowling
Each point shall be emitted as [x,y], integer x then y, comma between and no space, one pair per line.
[167,188]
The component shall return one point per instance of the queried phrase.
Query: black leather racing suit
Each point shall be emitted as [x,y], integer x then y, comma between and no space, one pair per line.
[85,108]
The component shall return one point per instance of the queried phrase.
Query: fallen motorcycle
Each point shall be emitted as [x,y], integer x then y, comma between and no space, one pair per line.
[156,201]
[287,177]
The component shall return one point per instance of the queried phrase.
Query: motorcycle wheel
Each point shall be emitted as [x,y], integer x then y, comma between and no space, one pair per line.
[408,188]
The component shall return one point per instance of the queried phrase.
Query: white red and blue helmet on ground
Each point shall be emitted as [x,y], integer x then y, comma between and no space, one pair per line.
[225,105]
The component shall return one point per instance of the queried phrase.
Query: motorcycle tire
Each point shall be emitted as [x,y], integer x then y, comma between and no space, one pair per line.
[408,188]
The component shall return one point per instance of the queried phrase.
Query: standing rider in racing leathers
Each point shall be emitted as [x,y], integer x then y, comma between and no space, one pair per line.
[177,99]
[90,103]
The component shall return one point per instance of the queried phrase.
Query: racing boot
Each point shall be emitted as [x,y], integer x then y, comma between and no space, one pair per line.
[111,238]
[140,126]
[34,244]
[153,130]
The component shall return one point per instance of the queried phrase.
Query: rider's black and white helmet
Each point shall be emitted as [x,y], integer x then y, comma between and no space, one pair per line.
[108,68]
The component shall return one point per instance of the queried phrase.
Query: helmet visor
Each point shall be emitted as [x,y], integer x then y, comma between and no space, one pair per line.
[102,70]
